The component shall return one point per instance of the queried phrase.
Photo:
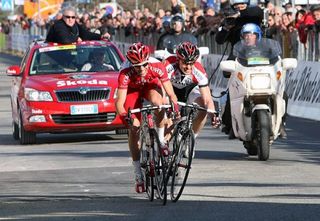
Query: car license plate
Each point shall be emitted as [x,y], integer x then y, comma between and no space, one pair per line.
[84,109]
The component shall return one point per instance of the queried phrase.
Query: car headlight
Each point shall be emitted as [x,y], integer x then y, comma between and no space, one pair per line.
[260,81]
[34,95]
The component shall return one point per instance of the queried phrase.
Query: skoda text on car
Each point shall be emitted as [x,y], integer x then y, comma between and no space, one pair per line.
[58,89]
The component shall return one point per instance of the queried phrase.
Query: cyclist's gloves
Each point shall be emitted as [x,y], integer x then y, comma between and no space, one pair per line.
[174,110]
[125,118]
[215,120]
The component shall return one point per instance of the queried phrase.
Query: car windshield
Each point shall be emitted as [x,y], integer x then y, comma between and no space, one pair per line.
[74,58]
[264,52]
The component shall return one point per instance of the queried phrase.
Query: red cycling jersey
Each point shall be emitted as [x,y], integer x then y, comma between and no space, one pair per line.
[128,77]
[137,86]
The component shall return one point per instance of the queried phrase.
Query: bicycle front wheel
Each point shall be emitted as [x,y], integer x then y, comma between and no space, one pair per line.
[160,168]
[147,166]
[181,165]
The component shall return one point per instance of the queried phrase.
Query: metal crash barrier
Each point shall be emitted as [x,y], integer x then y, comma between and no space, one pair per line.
[18,40]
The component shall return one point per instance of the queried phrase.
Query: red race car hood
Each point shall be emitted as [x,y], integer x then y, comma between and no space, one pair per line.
[74,80]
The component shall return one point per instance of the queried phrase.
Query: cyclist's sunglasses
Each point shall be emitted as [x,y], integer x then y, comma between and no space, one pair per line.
[188,62]
[140,65]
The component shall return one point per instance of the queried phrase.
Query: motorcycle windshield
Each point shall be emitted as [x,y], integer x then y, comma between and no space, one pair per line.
[263,52]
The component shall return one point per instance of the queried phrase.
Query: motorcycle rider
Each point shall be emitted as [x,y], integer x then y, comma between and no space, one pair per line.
[176,36]
[236,17]
[251,34]
[166,31]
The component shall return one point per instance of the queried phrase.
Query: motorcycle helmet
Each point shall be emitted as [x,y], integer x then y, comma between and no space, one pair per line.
[166,20]
[187,52]
[251,28]
[176,18]
[138,54]
[235,2]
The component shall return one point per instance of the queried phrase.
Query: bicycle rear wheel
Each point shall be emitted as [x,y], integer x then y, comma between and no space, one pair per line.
[160,167]
[181,165]
[147,166]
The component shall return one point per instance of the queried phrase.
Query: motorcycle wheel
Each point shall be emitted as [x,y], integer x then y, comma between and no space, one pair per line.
[263,134]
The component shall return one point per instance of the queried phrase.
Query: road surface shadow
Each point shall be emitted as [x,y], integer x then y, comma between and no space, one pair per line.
[138,209]
[99,138]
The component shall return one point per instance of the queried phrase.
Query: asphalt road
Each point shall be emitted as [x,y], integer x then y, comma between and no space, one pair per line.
[89,176]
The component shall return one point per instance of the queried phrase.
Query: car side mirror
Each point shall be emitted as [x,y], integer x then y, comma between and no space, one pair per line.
[13,70]
[228,66]
[288,63]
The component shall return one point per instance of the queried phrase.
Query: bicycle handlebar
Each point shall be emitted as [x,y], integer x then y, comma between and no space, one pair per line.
[196,106]
[165,106]
[149,107]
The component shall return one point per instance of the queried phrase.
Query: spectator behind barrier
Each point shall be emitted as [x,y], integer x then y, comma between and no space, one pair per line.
[67,30]
[315,9]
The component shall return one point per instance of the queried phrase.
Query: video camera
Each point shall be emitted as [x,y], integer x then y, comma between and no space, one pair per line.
[230,15]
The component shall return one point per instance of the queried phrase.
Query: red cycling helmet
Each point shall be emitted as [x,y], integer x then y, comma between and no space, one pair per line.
[187,52]
[138,53]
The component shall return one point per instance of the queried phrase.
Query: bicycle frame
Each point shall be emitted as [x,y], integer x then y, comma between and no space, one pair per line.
[154,164]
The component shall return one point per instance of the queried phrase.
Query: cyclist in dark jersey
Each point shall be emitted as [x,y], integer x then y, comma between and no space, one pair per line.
[190,82]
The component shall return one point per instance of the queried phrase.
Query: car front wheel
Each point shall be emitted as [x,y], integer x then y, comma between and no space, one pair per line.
[26,137]
[15,130]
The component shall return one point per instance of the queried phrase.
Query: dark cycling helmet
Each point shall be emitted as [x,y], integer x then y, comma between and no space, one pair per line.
[251,28]
[138,53]
[176,18]
[187,52]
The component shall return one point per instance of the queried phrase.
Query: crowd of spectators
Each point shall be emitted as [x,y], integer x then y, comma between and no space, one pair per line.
[282,20]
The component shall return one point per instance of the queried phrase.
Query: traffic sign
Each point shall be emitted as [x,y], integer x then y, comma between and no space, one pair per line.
[7,5]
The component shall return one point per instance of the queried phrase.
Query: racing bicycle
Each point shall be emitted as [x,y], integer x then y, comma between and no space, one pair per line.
[183,149]
[153,163]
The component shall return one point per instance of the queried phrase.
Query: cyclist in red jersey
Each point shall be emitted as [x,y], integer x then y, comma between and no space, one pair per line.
[142,76]
[190,82]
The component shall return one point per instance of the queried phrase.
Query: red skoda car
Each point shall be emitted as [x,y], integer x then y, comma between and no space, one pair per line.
[65,88]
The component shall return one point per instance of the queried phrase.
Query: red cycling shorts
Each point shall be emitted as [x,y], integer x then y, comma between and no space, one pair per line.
[135,97]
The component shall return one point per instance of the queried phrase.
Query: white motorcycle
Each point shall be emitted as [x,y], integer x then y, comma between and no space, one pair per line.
[256,88]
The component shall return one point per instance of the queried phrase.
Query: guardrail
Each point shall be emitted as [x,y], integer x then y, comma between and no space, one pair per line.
[19,39]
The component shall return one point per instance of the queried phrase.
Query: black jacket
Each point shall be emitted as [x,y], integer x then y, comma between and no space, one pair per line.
[171,40]
[60,32]
[249,15]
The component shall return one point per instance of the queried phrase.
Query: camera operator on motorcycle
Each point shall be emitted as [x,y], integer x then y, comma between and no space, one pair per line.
[177,35]
[190,82]
[256,87]
[251,36]
[236,17]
